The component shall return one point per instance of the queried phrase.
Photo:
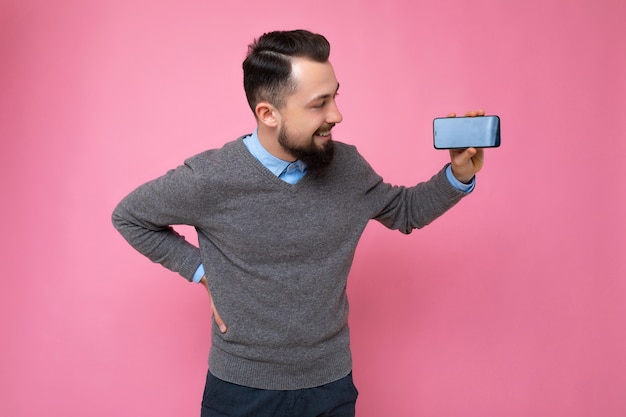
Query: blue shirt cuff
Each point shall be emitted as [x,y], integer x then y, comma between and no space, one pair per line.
[466,188]
[197,276]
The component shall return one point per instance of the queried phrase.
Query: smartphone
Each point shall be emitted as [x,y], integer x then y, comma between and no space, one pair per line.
[466,132]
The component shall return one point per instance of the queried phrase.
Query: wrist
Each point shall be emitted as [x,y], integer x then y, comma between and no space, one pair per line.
[456,183]
[465,179]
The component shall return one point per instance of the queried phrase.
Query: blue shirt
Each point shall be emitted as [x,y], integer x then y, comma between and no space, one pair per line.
[292,172]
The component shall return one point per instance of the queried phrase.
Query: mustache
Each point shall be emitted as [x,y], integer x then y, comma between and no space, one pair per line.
[326,127]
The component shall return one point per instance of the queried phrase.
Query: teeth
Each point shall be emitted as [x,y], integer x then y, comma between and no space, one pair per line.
[323,133]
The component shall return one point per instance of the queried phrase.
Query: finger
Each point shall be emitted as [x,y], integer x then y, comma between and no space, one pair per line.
[461,157]
[218,320]
[455,153]
[475,113]
[451,115]
[462,151]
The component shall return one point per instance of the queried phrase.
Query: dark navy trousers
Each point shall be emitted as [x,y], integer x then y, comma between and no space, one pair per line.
[223,399]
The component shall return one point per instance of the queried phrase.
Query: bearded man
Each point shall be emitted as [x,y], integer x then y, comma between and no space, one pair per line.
[279,213]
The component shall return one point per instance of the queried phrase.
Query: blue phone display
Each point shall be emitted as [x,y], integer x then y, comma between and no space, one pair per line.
[466,132]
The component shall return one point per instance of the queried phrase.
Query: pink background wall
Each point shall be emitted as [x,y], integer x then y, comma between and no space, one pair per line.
[513,304]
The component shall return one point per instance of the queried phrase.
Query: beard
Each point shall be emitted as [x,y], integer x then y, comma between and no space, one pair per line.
[315,157]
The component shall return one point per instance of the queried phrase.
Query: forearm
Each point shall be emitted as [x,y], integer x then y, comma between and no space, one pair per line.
[415,207]
[145,218]
[162,244]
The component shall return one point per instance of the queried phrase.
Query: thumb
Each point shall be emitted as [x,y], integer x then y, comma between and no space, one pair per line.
[470,152]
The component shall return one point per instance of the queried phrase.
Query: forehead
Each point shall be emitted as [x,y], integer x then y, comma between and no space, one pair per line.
[313,79]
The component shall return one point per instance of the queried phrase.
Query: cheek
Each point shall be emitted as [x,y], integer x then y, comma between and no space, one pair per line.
[315,123]
[304,127]
[304,124]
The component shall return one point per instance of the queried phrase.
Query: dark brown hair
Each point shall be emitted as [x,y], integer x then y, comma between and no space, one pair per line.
[267,67]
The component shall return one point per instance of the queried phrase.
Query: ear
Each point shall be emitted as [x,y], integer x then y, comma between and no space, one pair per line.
[267,114]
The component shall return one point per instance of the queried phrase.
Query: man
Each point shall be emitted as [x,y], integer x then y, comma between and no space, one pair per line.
[279,213]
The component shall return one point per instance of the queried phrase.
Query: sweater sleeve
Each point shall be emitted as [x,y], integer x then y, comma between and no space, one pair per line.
[145,218]
[408,208]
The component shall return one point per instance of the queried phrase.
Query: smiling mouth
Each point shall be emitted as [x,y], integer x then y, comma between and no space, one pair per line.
[326,134]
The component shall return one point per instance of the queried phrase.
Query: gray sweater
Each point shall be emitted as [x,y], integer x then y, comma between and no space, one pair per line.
[276,255]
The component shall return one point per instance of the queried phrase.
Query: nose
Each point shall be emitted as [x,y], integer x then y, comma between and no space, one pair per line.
[334,115]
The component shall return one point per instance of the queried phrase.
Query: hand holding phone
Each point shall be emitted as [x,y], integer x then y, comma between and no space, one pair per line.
[466,132]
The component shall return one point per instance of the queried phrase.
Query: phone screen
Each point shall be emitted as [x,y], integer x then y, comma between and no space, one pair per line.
[466,132]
